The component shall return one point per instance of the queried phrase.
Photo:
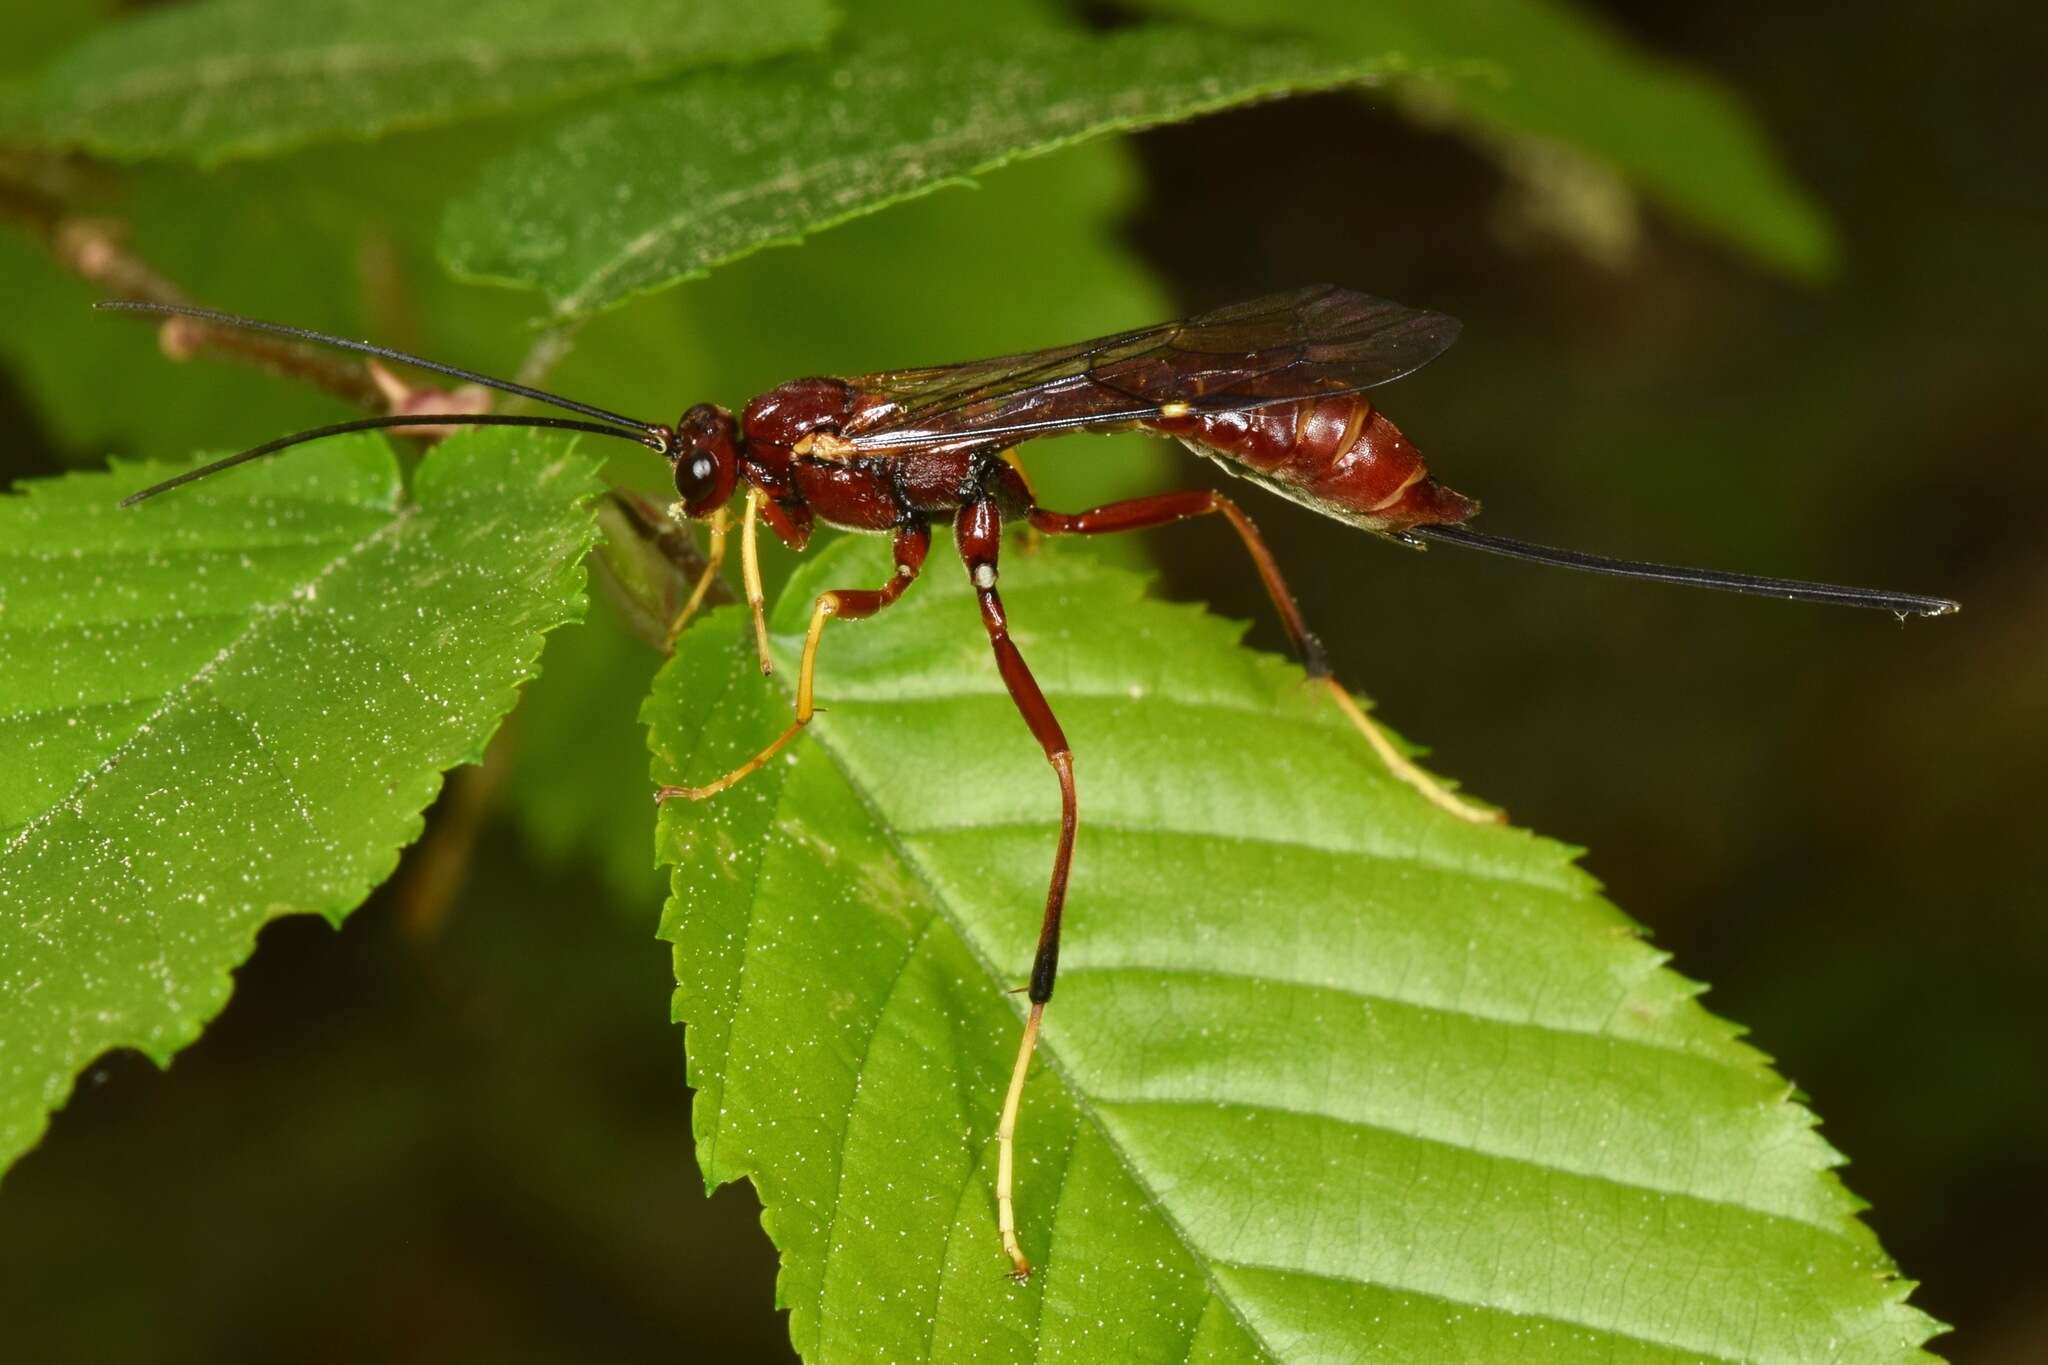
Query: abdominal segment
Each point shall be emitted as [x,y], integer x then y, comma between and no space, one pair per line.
[1339,455]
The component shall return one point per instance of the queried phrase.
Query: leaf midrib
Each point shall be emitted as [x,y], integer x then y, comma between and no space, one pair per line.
[286,67]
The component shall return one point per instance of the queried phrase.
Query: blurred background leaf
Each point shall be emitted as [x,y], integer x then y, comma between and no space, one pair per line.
[29,35]
[223,78]
[166,797]
[1549,84]
[1307,1023]
[668,183]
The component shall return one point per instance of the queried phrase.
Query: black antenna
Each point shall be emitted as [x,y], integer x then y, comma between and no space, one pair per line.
[1753,585]
[651,440]
[219,319]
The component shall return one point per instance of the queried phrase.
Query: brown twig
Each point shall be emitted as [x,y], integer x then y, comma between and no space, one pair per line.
[185,338]
[96,249]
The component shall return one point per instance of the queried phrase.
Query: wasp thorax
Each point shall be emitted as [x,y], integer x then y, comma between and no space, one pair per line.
[789,412]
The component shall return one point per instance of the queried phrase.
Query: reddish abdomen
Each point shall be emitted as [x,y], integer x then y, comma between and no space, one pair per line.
[1339,455]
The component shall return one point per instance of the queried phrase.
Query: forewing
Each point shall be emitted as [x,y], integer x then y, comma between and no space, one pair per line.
[1318,340]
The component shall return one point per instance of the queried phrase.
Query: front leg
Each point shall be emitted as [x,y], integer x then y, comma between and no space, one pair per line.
[714,556]
[913,541]
[978,531]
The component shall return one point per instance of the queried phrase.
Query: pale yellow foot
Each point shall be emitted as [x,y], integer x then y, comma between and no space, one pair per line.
[1006,1149]
[1438,794]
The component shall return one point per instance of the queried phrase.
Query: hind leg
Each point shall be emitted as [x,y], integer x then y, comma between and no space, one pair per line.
[1163,509]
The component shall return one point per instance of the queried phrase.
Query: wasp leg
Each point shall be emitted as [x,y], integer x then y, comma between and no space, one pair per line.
[978,533]
[1033,537]
[912,542]
[1163,509]
[750,574]
[714,556]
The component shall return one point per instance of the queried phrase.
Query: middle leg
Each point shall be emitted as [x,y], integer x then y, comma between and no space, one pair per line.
[912,543]
[1163,509]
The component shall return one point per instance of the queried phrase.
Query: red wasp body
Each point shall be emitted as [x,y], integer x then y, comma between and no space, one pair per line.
[1340,455]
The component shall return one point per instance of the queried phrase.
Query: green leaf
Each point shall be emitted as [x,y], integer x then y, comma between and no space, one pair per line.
[666,183]
[229,78]
[1542,70]
[1330,1074]
[232,704]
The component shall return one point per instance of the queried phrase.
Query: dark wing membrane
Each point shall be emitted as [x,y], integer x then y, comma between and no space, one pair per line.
[1318,340]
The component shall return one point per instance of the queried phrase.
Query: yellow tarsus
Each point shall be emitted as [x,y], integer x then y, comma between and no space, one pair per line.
[1006,1148]
[1398,763]
[822,611]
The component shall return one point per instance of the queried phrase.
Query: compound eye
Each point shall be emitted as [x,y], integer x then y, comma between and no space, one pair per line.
[706,459]
[696,477]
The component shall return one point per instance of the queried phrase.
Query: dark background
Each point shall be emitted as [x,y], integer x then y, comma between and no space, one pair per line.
[471,1143]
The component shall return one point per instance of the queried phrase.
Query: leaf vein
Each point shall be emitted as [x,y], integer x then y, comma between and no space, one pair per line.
[1080,969]
[1480,1306]
[1491,1154]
